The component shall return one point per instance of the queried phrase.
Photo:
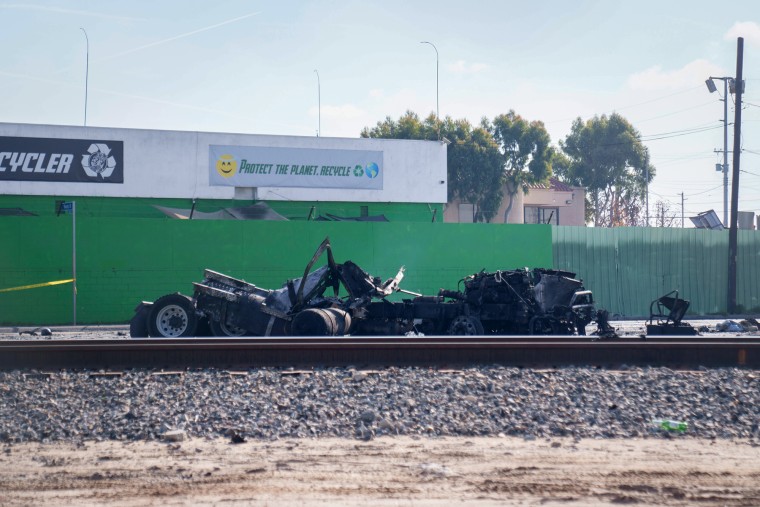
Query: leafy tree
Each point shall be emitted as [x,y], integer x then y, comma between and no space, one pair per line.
[608,158]
[526,153]
[473,158]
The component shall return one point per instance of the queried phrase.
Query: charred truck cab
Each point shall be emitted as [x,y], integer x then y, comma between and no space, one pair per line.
[539,301]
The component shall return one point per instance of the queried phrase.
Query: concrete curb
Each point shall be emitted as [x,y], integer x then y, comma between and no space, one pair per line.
[66,329]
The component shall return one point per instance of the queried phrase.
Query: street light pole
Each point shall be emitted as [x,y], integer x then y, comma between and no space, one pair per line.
[86,73]
[437,115]
[712,88]
[725,151]
[319,105]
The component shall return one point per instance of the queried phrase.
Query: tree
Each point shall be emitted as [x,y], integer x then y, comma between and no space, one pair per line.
[409,126]
[526,153]
[608,158]
[664,216]
[473,159]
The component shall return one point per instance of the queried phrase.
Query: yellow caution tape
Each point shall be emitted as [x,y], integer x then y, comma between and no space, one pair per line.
[36,285]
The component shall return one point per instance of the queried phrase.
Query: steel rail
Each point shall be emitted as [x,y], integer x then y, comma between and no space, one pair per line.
[527,351]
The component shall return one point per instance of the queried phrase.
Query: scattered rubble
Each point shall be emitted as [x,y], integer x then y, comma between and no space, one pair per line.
[268,404]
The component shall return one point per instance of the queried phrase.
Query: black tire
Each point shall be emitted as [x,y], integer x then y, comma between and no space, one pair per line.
[223,329]
[172,316]
[138,326]
[466,326]
[314,322]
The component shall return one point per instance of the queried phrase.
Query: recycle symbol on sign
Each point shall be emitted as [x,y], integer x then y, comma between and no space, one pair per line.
[97,163]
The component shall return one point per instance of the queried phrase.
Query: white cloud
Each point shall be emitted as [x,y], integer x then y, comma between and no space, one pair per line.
[655,78]
[747,29]
[462,67]
[376,93]
[344,112]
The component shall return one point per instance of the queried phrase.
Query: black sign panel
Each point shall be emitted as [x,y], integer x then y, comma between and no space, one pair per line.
[64,160]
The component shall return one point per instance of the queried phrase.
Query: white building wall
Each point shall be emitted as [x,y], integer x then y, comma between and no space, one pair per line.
[175,164]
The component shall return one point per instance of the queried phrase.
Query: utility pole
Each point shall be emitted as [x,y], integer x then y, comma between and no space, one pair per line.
[646,181]
[682,218]
[732,233]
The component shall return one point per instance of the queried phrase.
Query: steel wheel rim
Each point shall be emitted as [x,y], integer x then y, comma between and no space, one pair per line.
[172,321]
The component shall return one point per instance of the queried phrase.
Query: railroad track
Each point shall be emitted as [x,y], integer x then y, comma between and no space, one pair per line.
[525,351]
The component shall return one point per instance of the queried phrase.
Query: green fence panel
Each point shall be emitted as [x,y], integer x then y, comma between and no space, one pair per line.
[121,261]
[628,267]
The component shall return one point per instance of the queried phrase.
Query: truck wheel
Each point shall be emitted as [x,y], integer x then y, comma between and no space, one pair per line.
[466,326]
[223,329]
[172,316]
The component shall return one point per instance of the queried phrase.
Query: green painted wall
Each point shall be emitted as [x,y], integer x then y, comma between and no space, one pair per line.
[121,261]
[628,267]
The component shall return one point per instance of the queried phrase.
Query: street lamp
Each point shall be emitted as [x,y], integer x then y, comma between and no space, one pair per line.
[437,115]
[319,105]
[86,73]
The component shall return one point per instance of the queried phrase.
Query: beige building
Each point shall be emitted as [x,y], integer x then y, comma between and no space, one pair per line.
[552,203]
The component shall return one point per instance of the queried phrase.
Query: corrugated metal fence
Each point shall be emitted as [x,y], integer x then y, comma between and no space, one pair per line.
[628,267]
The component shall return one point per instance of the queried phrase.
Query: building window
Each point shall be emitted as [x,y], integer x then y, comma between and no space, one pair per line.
[466,213]
[538,215]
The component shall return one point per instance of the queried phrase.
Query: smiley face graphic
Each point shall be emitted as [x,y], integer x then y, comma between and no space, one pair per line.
[226,166]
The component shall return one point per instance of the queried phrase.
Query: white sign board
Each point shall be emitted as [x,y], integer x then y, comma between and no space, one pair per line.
[256,166]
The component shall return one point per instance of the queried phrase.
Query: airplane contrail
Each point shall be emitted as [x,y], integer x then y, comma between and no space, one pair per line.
[181,36]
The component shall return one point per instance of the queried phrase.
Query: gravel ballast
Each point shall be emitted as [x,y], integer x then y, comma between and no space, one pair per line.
[271,403]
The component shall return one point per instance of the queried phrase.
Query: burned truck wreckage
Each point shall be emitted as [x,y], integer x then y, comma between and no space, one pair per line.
[515,302]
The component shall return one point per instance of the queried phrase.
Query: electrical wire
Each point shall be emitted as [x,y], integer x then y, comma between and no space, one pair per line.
[614,109]
[699,128]
[674,112]
[708,190]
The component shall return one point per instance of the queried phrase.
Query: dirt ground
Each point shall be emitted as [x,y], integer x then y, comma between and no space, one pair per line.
[392,471]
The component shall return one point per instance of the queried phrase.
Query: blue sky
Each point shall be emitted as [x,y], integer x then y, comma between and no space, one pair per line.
[248,66]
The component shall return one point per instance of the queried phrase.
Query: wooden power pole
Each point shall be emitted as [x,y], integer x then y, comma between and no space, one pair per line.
[733,233]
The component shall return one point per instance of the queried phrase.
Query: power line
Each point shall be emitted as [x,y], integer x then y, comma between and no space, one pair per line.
[614,109]
[674,112]
[699,128]
[708,190]
[681,134]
